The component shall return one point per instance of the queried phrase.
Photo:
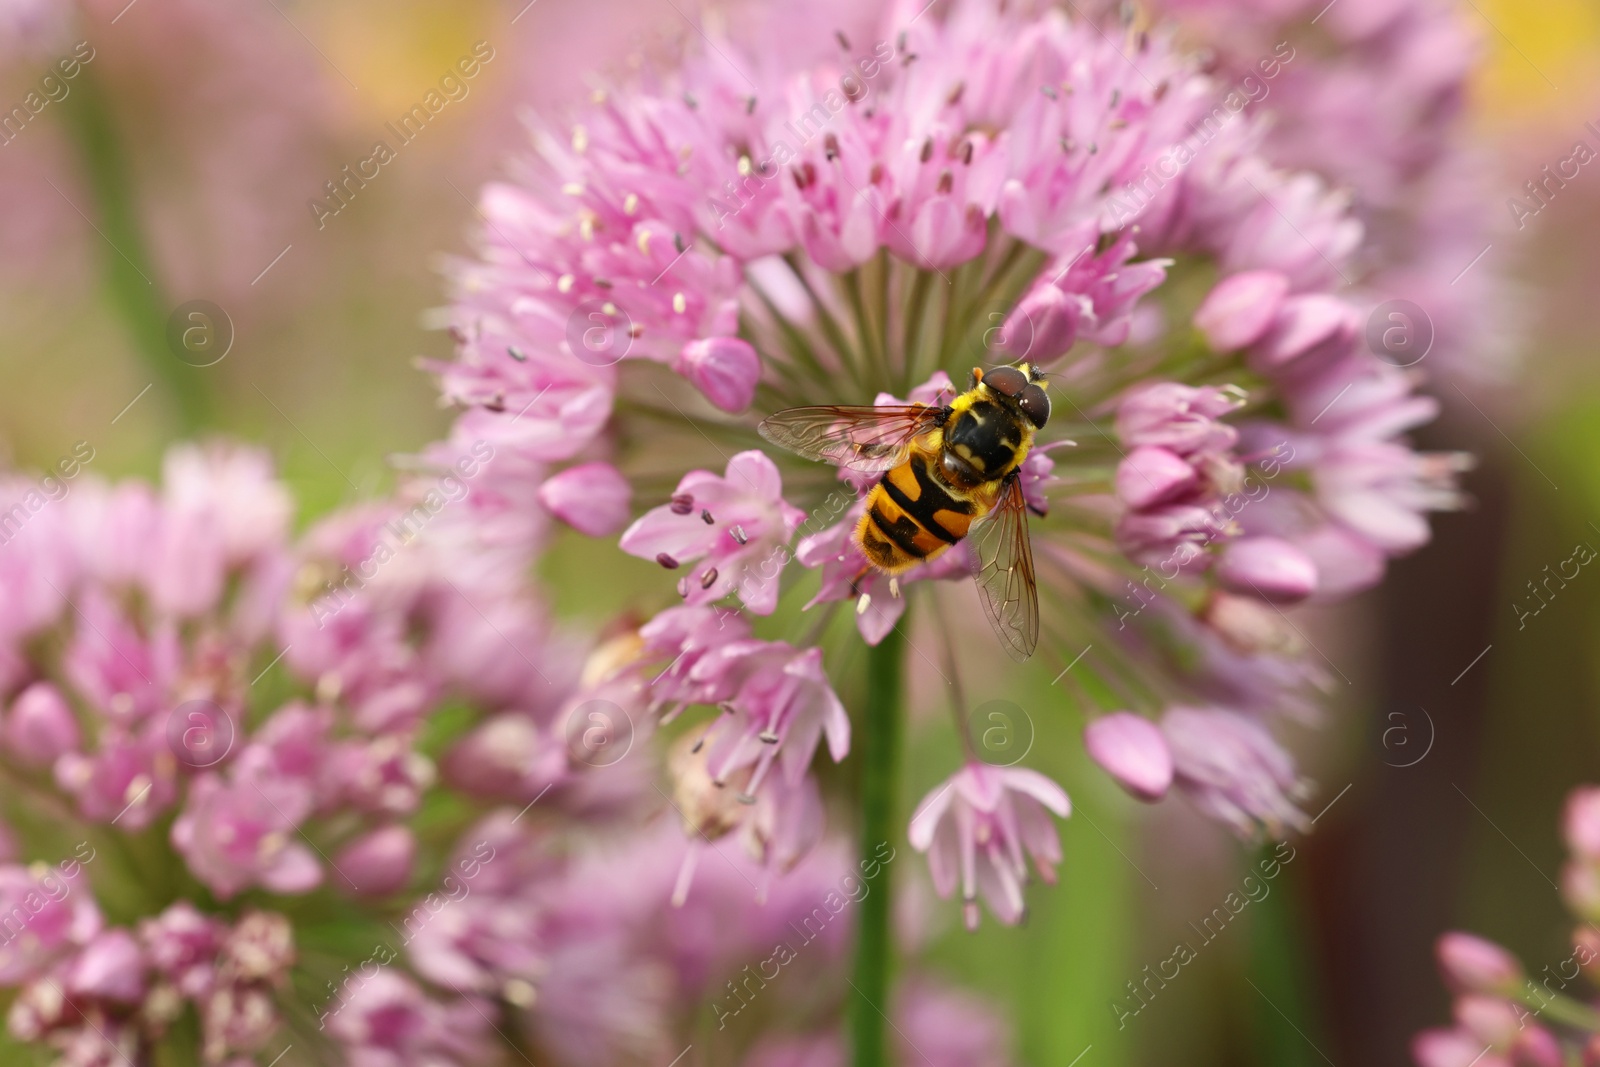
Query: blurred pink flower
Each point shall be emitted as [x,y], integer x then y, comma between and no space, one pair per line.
[977,825]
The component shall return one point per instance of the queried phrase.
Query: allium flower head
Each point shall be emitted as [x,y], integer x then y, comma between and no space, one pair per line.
[776,224]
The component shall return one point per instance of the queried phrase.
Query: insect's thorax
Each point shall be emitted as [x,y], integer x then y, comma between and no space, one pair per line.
[989,439]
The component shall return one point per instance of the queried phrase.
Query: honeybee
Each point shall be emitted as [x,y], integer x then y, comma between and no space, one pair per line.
[948,472]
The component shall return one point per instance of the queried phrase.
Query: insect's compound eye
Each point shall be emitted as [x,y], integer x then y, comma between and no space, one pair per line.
[1007,381]
[1035,404]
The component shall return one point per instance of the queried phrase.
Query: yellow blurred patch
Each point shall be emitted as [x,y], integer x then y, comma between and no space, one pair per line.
[1541,57]
[394,50]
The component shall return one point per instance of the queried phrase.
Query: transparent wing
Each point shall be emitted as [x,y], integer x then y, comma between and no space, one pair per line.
[1005,572]
[861,438]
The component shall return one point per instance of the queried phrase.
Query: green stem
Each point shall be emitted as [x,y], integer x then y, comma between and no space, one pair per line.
[879,745]
[129,271]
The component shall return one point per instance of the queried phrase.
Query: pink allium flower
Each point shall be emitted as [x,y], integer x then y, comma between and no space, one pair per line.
[1232,769]
[58,916]
[1502,1014]
[241,833]
[388,1021]
[1410,163]
[182,945]
[975,829]
[681,257]
[733,527]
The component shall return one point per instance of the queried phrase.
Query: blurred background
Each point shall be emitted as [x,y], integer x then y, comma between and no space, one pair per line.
[173,176]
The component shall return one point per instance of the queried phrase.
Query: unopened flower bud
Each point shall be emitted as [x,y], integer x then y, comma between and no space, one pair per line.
[1495,1021]
[378,863]
[591,498]
[111,967]
[1537,1047]
[1133,750]
[1586,951]
[1149,476]
[1043,325]
[1580,822]
[1268,567]
[1446,1048]
[725,369]
[41,726]
[1471,964]
[1241,308]
[1580,888]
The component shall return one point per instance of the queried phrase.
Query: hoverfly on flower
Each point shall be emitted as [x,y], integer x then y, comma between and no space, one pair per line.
[946,469]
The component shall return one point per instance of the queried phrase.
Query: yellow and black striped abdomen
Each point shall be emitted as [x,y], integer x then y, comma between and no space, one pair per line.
[912,515]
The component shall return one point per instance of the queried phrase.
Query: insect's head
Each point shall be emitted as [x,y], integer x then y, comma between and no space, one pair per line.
[1023,384]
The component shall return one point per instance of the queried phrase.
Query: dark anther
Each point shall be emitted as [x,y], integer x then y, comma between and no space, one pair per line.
[682,504]
[705,517]
[666,561]
[708,579]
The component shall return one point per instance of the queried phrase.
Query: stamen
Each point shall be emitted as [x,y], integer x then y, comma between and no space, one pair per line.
[708,579]
[666,561]
[705,517]
[863,603]
[768,737]
[844,42]
[894,587]
[739,535]
[682,504]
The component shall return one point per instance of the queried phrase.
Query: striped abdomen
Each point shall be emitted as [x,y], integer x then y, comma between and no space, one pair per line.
[913,516]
